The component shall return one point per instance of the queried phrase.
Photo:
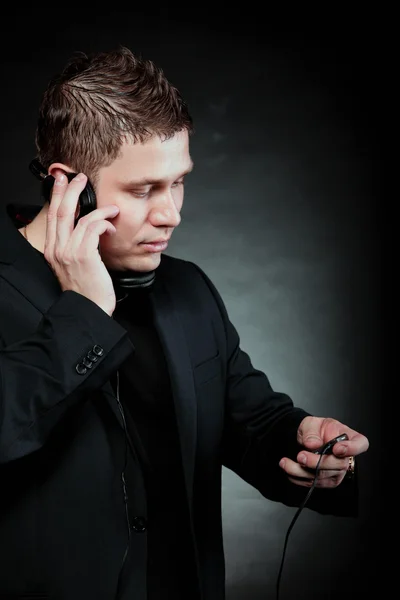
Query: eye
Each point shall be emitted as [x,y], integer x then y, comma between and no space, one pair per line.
[177,183]
[138,194]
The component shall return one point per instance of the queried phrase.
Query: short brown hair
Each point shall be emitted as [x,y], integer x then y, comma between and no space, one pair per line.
[100,100]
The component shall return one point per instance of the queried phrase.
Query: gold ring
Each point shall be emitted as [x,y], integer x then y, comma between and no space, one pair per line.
[351,468]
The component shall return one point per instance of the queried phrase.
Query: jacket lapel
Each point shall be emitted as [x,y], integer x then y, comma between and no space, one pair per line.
[174,343]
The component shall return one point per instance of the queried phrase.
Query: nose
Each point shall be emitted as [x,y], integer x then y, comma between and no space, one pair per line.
[165,212]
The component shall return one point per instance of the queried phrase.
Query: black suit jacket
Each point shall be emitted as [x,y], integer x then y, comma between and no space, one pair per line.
[63,528]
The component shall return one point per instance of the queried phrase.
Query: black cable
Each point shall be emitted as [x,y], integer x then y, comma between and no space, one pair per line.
[324,451]
[125,493]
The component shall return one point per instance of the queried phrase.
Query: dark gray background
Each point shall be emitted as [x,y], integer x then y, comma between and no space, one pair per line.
[283,213]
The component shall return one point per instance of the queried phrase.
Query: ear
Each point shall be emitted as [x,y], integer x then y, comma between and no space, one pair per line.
[58,166]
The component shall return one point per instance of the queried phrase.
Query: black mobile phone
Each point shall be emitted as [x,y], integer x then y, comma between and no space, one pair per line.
[327,448]
[87,198]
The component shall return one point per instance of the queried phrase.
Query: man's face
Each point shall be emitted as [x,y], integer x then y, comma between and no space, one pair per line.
[146,183]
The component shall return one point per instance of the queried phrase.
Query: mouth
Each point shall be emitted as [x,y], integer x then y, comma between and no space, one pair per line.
[156,246]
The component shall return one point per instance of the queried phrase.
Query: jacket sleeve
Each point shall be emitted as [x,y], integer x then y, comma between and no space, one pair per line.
[73,352]
[261,427]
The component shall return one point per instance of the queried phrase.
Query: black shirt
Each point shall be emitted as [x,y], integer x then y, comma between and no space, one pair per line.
[149,410]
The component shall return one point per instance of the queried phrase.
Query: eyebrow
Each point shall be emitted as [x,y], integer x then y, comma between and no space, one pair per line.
[146,181]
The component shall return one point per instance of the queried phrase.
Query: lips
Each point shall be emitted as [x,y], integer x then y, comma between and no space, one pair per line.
[156,246]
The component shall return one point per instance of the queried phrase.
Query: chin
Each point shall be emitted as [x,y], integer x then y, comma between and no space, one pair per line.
[141,264]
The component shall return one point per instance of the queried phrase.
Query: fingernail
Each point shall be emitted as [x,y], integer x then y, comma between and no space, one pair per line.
[312,438]
[80,177]
[341,450]
[282,463]
[302,459]
[60,179]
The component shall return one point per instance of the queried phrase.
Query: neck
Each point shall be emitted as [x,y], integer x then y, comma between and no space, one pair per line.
[35,232]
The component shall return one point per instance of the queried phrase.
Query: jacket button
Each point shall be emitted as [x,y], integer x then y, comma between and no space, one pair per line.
[98,350]
[87,363]
[91,356]
[81,369]
[138,524]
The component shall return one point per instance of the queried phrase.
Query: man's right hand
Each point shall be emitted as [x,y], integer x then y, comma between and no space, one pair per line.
[72,252]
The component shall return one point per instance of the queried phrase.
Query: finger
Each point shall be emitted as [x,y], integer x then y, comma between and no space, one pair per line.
[97,215]
[310,432]
[81,247]
[357,444]
[297,471]
[65,221]
[327,482]
[293,469]
[328,461]
[57,194]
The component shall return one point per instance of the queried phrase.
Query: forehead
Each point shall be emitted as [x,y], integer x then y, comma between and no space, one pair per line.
[153,159]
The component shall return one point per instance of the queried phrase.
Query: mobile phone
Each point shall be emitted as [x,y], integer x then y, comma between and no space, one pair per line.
[87,198]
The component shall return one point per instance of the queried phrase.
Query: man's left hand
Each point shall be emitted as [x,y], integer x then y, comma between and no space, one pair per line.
[313,433]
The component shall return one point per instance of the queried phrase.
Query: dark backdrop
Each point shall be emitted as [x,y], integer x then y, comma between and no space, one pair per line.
[283,213]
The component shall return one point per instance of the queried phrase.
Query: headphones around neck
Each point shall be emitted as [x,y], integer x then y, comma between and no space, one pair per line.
[126,280]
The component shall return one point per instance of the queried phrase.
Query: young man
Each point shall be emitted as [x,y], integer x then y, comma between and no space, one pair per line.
[124,389]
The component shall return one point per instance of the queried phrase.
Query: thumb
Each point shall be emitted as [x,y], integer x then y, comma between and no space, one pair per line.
[310,432]
[312,440]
